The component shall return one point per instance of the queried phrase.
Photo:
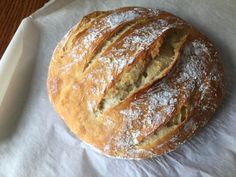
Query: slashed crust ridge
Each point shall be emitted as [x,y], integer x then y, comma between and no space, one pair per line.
[135,82]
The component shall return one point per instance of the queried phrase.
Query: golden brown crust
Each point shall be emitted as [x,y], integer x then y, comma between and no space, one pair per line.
[103,82]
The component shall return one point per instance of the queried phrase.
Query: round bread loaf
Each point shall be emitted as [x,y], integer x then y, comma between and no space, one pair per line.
[135,82]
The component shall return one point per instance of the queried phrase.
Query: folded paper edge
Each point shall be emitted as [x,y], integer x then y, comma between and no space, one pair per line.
[12,55]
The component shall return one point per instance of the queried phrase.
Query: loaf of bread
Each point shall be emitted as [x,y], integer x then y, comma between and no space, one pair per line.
[135,82]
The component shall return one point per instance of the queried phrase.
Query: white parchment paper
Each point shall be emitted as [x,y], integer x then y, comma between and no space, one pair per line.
[34,141]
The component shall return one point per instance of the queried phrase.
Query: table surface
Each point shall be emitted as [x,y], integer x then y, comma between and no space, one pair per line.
[11,14]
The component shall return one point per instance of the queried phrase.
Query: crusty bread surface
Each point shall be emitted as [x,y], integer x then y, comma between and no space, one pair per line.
[135,82]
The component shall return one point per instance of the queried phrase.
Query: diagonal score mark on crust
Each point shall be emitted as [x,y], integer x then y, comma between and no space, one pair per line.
[168,131]
[120,27]
[114,36]
[160,135]
[84,24]
[86,43]
[146,71]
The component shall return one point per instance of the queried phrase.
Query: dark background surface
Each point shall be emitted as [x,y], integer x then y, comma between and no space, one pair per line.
[11,14]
